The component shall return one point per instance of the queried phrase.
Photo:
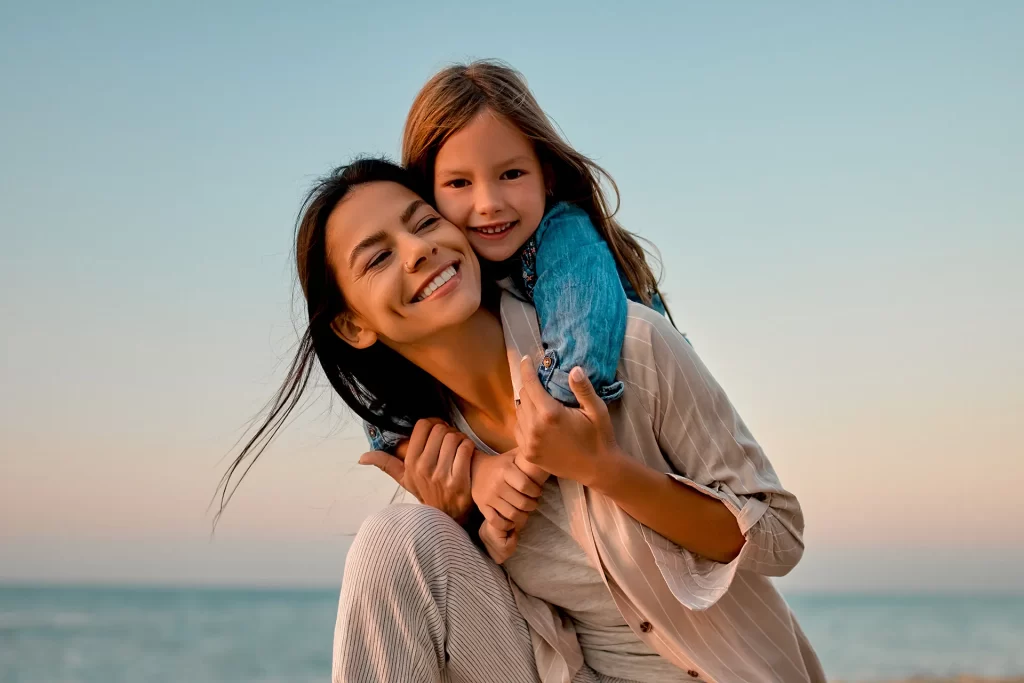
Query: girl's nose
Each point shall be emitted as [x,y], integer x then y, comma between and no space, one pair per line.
[488,199]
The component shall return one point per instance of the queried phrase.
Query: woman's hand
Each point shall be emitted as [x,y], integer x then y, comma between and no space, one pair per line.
[434,465]
[505,495]
[500,544]
[565,442]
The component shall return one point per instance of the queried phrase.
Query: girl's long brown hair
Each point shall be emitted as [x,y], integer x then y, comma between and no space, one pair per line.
[454,96]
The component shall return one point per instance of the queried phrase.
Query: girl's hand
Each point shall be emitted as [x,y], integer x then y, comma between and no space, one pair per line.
[566,442]
[500,544]
[504,494]
[434,467]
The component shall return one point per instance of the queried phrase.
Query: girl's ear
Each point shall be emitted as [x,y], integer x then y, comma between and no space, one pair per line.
[351,329]
[549,178]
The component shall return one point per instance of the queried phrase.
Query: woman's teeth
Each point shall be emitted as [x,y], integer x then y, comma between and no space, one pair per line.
[446,275]
[495,229]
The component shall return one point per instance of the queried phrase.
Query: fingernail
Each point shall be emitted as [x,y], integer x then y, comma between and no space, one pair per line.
[524,358]
[577,373]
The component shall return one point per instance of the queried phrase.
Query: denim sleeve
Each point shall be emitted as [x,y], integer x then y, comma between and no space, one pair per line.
[381,439]
[580,302]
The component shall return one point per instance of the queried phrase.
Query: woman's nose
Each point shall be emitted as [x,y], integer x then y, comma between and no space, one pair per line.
[418,251]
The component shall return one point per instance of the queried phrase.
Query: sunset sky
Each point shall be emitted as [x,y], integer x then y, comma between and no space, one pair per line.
[837,193]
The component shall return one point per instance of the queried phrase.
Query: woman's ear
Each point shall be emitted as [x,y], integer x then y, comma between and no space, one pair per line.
[350,328]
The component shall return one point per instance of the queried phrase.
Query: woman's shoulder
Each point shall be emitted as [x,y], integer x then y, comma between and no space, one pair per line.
[645,324]
[651,342]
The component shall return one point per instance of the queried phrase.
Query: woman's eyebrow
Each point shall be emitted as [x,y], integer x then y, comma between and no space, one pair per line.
[411,209]
[366,243]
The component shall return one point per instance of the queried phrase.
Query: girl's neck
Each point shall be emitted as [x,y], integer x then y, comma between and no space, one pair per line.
[471,361]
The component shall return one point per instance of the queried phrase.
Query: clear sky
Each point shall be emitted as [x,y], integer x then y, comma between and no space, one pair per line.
[835,189]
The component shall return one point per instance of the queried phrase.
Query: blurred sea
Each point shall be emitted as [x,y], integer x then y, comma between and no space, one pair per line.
[224,635]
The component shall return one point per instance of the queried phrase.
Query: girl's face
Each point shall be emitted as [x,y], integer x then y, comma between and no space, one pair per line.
[405,271]
[489,182]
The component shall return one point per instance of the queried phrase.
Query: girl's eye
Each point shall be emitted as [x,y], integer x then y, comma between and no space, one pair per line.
[513,174]
[457,184]
[429,222]
[378,259]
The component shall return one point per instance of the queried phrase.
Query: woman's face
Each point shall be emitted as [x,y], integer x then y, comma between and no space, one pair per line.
[404,270]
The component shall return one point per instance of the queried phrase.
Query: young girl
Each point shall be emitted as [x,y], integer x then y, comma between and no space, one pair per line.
[533,209]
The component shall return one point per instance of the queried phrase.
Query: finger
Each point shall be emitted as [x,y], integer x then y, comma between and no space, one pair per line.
[510,513]
[463,464]
[507,546]
[531,385]
[495,519]
[420,432]
[497,543]
[522,482]
[446,457]
[584,392]
[431,450]
[518,500]
[388,464]
[526,416]
[519,432]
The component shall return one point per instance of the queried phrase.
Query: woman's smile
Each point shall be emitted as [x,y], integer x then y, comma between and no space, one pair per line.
[443,282]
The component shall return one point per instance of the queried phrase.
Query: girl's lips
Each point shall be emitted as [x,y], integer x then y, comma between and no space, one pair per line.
[495,235]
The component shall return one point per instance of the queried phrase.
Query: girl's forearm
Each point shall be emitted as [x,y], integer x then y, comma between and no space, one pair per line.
[689,518]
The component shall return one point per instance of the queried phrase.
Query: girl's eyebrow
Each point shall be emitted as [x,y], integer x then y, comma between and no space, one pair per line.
[518,159]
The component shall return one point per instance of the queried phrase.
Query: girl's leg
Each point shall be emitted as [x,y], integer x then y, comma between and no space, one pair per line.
[421,604]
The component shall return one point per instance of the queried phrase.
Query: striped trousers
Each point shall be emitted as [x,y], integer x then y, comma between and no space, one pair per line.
[421,604]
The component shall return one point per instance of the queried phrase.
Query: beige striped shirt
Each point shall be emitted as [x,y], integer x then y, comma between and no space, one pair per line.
[718,622]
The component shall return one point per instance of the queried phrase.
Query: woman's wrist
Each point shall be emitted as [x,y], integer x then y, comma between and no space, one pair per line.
[609,470]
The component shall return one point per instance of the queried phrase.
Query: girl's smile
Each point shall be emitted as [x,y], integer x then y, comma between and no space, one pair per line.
[489,181]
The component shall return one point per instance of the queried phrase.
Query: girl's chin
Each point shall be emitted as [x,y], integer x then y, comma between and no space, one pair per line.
[490,251]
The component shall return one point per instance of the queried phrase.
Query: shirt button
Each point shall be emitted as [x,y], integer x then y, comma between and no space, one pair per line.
[646,627]
[372,431]
[547,362]
[692,674]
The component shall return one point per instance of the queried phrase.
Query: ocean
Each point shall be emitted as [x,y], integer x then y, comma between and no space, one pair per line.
[227,635]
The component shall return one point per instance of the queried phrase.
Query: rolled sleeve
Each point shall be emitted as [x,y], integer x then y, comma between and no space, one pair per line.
[710,450]
[381,439]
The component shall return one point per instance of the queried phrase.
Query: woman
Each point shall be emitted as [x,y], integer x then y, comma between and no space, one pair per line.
[648,555]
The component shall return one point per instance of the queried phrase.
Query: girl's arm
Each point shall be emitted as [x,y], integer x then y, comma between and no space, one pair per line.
[575,287]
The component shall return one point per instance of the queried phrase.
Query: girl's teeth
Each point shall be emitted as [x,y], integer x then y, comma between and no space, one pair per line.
[497,229]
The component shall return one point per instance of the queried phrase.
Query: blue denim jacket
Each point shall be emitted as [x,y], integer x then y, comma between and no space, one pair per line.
[569,274]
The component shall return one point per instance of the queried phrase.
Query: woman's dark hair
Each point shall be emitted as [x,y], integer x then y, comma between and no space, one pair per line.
[378,384]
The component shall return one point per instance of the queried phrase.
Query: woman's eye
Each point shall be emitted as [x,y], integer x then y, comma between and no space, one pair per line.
[378,259]
[457,184]
[429,222]
[513,174]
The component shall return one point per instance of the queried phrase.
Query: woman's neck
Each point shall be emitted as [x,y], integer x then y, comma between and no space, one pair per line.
[471,361]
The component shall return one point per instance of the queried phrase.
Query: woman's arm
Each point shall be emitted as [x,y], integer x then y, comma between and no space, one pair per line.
[685,516]
[580,445]
[709,448]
